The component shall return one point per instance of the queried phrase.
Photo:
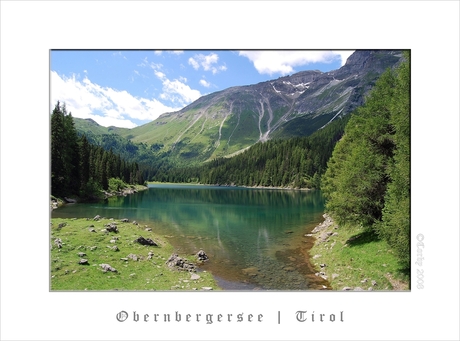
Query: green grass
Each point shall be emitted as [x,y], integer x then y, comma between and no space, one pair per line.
[144,274]
[358,257]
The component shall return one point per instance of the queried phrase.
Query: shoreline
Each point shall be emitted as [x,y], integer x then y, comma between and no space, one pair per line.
[352,259]
[59,202]
[228,186]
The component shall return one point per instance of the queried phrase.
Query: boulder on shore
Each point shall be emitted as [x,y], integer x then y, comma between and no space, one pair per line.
[145,241]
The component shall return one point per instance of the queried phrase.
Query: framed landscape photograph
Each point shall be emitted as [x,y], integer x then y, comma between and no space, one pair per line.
[227,170]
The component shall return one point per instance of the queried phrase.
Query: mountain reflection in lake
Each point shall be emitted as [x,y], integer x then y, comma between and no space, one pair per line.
[253,237]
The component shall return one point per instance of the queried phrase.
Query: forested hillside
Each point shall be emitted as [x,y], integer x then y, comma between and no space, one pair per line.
[296,163]
[367,181]
[81,168]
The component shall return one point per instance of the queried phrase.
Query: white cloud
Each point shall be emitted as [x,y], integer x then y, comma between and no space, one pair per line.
[207,62]
[205,83]
[106,106]
[176,90]
[283,62]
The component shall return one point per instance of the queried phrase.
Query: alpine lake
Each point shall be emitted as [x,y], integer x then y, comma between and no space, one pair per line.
[254,238]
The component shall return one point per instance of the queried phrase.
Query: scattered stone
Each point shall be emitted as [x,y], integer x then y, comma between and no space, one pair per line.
[61,225]
[125,220]
[83,262]
[194,277]
[81,254]
[358,289]
[133,257]
[96,218]
[174,261]
[346,289]
[113,241]
[112,227]
[148,229]
[334,276]
[143,241]
[125,259]
[58,242]
[92,229]
[206,288]
[150,255]
[135,223]
[322,265]
[107,267]
[364,280]
[202,256]
[115,248]
[374,283]
[316,256]
[92,248]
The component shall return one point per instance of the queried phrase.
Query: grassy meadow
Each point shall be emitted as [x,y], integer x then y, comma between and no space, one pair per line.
[354,258]
[138,267]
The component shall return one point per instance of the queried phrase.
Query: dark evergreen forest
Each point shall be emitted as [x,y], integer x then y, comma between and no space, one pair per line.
[79,168]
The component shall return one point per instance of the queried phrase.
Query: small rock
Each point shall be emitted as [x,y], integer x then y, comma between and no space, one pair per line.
[125,220]
[334,276]
[145,241]
[322,265]
[195,277]
[206,288]
[92,229]
[107,267]
[346,289]
[364,280]
[358,289]
[133,257]
[83,262]
[81,254]
[202,256]
[98,217]
[374,283]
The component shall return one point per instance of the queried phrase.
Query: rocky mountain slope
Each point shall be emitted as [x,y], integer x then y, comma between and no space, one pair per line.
[226,122]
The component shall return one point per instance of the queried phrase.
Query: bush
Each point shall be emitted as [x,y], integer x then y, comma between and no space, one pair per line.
[116,185]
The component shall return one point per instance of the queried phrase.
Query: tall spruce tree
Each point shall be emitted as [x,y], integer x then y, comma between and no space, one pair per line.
[367,181]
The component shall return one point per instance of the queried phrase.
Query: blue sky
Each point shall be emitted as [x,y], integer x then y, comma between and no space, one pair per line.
[128,88]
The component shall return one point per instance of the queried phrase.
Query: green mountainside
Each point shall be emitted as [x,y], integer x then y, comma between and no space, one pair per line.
[227,122]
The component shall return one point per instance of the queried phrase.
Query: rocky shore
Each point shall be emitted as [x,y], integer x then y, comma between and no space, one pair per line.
[58,202]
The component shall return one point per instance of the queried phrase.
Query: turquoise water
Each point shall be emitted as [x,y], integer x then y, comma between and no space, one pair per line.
[253,237]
